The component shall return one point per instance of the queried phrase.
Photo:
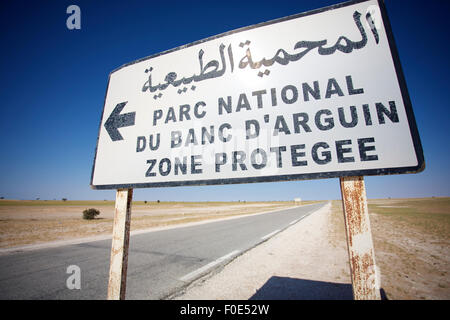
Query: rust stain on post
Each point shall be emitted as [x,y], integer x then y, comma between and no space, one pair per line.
[359,239]
[120,243]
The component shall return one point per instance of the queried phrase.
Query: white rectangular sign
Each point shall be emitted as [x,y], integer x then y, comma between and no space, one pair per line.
[315,95]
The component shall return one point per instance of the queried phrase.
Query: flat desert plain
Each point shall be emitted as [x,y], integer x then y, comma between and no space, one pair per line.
[25,222]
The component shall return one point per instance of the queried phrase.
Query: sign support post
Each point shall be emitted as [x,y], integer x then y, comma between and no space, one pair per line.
[120,242]
[359,239]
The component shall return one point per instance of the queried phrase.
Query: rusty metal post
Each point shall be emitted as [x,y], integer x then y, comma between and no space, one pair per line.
[361,253]
[120,241]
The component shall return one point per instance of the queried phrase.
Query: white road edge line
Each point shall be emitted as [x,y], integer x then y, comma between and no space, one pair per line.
[195,273]
[270,234]
[293,222]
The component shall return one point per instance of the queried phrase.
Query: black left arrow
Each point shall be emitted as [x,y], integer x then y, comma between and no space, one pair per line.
[117,120]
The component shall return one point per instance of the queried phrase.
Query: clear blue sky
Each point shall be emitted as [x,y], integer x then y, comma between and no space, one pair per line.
[53,83]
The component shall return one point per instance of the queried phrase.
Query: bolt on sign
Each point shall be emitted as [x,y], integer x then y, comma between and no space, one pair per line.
[314,95]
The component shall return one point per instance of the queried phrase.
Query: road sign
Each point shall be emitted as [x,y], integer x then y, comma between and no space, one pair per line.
[315,95]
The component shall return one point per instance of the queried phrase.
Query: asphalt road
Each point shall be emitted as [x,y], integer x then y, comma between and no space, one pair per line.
[159,263]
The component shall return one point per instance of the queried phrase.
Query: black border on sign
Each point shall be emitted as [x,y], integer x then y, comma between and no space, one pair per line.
[321,175]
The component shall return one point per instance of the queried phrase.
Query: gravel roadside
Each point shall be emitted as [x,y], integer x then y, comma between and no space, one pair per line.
[298,263]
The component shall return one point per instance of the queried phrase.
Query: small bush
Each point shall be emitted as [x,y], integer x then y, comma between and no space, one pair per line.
[90,214]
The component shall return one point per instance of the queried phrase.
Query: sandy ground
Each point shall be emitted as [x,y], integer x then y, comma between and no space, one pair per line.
[414,264]
[298,263]
[31,225]
[107,212]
